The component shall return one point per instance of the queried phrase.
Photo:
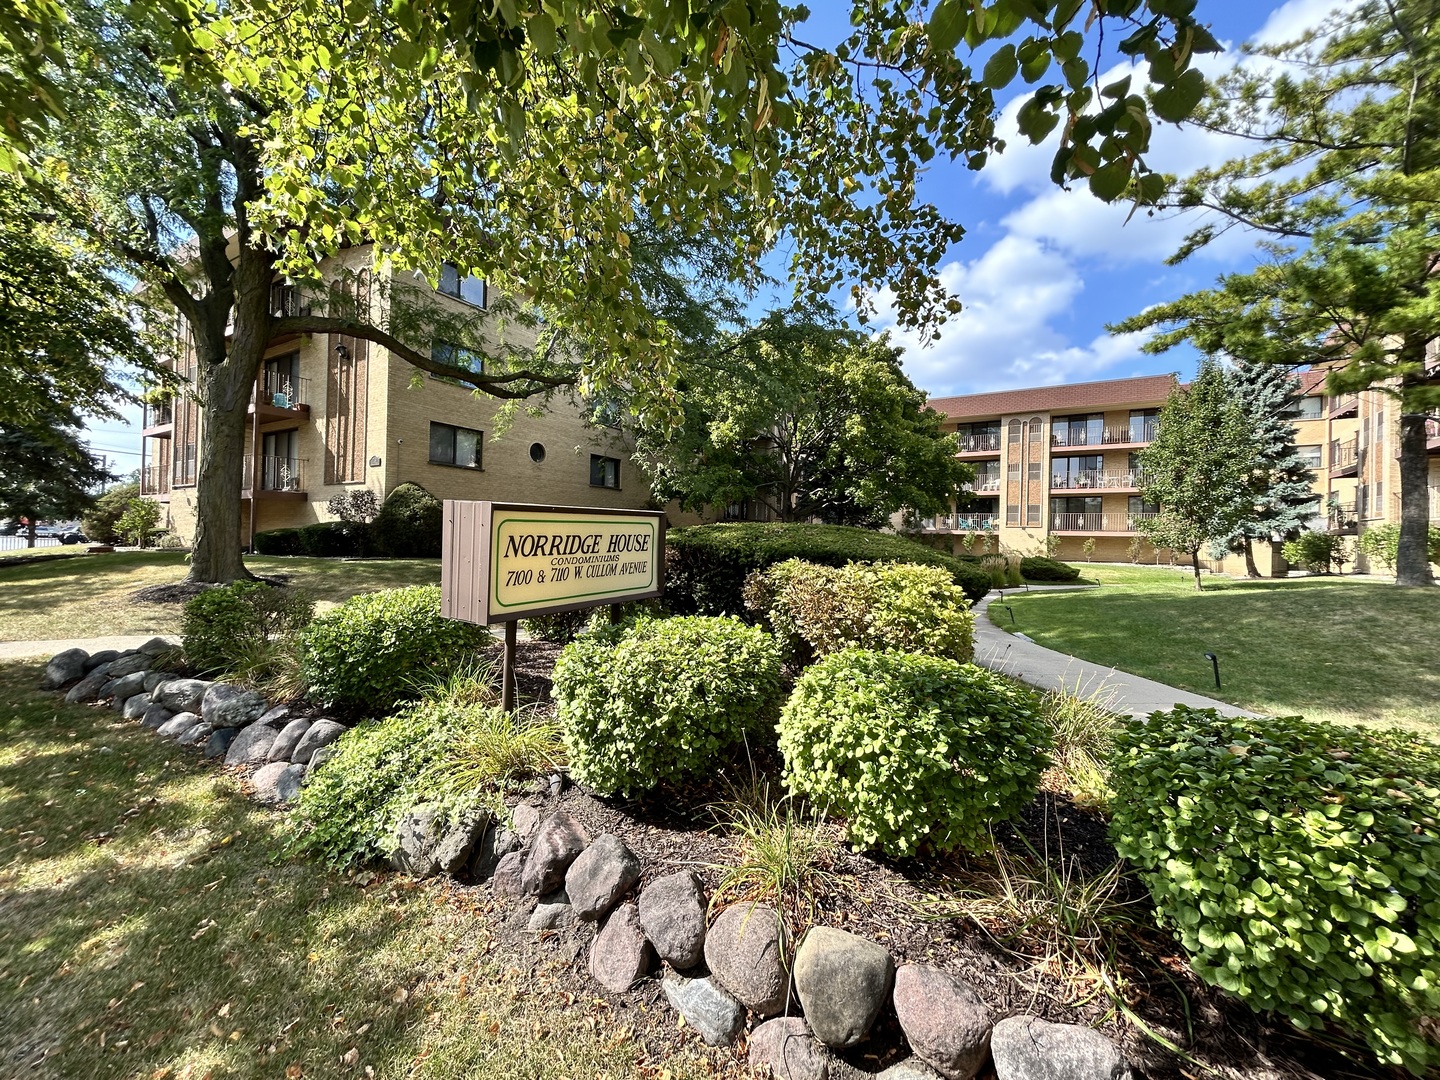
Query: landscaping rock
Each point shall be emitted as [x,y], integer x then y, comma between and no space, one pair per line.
[600,875]
[416,837]
[104,656]
[1028,1048]
[506,879]
[135,706]
[180,695]
[453,853]
[124,688]
[156,678]
[713,1013]
[553,912]
[497,842]
[620,956]
[912,1068]
[842,981]
[746,950]
[265,782]
[288,786]
[218,745]
[786,1045]
[322,732]
[289,738]
[130,663]
[944,1019]
[198,734]
[88,688]
[672,911]
[178,724]
[324,754]
[225,705]
[558,841]
[525,819]
[157,646]
[64,667]
[155,716]
[275,714]
[251,746]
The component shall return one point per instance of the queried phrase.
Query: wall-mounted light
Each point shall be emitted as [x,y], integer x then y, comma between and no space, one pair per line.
[343,351]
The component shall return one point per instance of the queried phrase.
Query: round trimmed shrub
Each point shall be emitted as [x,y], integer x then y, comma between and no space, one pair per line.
[409,524]
[912,750]
[662,699]
[1043,568]
[369,652]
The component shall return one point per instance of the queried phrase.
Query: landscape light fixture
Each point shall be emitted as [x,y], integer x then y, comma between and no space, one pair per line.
[1008,608]
[1215,663]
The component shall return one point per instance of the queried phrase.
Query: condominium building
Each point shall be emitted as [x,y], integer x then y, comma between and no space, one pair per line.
[332,413]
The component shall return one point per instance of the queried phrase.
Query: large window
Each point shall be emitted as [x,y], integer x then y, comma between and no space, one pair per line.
[1310,455]
[604,471]
[1142,424]
[979,437]
[456,446]
[1080,471]
[1311,408]
[447,352]
[471,289]
[1087,430]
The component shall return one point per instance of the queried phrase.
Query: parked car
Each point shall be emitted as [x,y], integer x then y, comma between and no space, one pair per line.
[9,528]
[74,536]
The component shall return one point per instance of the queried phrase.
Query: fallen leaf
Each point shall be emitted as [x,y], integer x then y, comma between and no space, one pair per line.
[350,1057]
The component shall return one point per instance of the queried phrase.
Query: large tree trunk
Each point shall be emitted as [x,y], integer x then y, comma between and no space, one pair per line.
[1412,564]
[1195,565]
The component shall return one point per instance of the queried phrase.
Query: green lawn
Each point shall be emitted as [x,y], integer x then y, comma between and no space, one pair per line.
[148,930]
[89,596]
[1325,648]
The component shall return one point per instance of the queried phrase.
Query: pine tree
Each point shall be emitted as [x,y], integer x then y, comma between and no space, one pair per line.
[1269,398]
[45,472]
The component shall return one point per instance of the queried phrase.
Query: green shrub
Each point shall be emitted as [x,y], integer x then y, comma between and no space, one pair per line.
[661,699]
[1298,863]
[409,524]
[223,627]
[1381,543]
[369,652]
[139,521]
[278,542]
[817,610]
[1039,568]
[1317,552]
[912,749]
[328,540]
[557,629]
[98,523]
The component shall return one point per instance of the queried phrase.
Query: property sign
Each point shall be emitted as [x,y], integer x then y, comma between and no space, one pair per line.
[506,561]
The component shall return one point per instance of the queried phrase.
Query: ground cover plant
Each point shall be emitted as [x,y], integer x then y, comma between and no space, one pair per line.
[1326,648]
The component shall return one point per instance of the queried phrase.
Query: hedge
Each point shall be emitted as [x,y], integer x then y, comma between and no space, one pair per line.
[1042,568]
[278,542]
[409,524]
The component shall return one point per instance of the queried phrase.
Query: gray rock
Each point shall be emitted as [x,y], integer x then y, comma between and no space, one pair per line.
[713,1013]
[786,1045]
[225,705]
[497,842]
[747,950]
[88,688]
[324,754]
[322,732]
[288,786]
[104,656]
[251,746]
[157,646]
[944,1019]
[288,739]
[135,706]
[452,855]
[506,879]
[274,715]
[64,667]
[912,1068]
[181,695]
[156,678]
[178,725]
[155,716]
[417,835]
[1028,1048]
[558,841]
[600,875]
[620,956]
[266,780]
[130,663]
[525,819]
[124,688]
[553,912]
[842,981]
[198,734]
[672,911]
[218,745]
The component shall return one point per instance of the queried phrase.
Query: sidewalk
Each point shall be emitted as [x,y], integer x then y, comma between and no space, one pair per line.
[12,650]
[1047,669]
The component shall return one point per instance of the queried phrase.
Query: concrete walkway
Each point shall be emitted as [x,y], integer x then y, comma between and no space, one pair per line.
[1014,654]
[13,650]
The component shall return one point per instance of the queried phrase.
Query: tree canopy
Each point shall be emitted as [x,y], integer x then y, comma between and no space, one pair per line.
[45,472]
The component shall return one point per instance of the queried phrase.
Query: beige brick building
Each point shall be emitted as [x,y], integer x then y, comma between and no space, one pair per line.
[332,413]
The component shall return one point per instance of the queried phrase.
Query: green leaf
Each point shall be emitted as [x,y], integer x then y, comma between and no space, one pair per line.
[541,29]
[1000,69]
[1178,100]
[947,25]
[1108,181]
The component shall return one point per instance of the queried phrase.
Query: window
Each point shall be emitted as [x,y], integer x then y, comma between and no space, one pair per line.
[1311,408]
[1087,430]
[456,446]
[1081,471]
[1310,455]
[604,471]
[1142,424]
[447,352]
[472,290]
[281,381]
[537,452]
[979,437]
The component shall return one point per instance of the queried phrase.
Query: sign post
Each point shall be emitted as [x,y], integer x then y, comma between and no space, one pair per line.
[501,562]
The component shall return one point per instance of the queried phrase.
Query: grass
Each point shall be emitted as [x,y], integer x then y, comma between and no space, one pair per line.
[40,554]
[147,930]
[1327,648]
[90,596]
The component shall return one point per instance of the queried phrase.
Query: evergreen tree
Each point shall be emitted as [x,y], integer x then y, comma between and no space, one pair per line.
[1269,398]
[45,472]
[1200,468]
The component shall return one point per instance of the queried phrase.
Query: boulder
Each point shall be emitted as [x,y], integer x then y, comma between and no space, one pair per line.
[747,951]
[124,688]
[553,912]
[672,912]
[88,688]
[288,739]
[275,714]
[912,1068]
[135,706]
[842,981]
[525,819]
[156,678]
[506,879]
[620,956]
[452,855]
[713,1013]
[155,716]
[786,1045]
[497,842]
[288,786]
[198,734]
[600,875]
[157,646]
[225,705]
[947,1024]
[104,656]
[1028,1048]
[251,746]
[324,754]
[558,841]
[417,835]
[178,725]
[322,732]
[218,744]
[265,782]
[180,695]
[64,667]
[130,663]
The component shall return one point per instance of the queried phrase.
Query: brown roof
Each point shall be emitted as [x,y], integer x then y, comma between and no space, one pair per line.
[1108,393]
[1313,380]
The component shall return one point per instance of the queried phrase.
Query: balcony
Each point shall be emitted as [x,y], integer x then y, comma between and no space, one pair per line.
[961,523]
[1344,405]
[159,419]
[1098,523]
[279,476]
[281,397]
[1345,457]
[155,480]
[1095,480]
[983,484]
[1136,434]
[1342,518]
[987,443]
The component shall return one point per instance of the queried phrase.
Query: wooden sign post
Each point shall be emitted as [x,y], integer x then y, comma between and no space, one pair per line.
[501,562]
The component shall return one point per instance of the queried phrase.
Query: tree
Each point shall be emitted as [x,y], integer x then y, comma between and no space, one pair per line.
[139,521]
[1200,468]
[1342,187]
[1269,399]
[100,522]
[45,472]
[810,420]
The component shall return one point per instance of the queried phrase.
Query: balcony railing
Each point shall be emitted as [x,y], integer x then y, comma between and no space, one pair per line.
[1344,404]
[1344,455]
[1137,432]
[276,474]
[1090,479]
[287,299]
[979,444]
[284,391]
[155,480]
[961,523]
[158,413]
[982,483]
[1342,517]
[1098,523]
